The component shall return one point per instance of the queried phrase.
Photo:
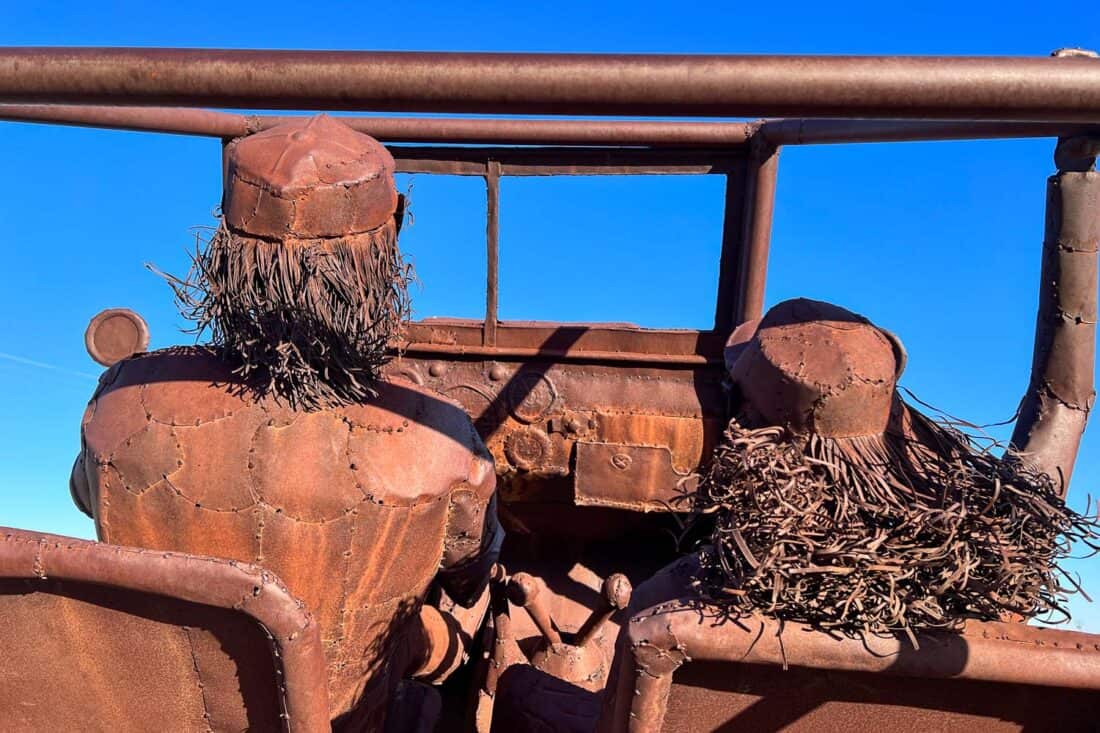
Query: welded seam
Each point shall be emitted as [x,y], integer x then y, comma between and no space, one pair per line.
[198,678]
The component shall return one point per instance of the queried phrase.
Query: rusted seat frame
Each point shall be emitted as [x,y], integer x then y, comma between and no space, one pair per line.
[659,640]
[237,587]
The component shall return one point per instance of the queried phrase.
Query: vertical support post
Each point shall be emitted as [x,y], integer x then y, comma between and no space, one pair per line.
[752,271]
[492,251]
[225,160]
[1060,395]
[733,231]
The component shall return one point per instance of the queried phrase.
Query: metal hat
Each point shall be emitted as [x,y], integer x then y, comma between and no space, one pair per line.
[814,367]
[308,180]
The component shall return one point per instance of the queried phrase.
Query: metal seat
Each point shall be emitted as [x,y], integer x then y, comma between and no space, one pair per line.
[100,637]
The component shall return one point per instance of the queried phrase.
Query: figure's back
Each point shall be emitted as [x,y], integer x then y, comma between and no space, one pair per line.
[349,505]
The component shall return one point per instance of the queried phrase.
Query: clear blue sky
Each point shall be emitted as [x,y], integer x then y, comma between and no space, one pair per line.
[936,241]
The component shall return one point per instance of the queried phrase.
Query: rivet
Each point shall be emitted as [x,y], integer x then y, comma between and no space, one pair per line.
[497,373]
[438,369]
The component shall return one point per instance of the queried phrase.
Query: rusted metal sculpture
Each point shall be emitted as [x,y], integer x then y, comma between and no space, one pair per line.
[265,448]
[358,507]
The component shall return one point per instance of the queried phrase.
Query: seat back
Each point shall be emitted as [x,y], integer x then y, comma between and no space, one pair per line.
[105,638]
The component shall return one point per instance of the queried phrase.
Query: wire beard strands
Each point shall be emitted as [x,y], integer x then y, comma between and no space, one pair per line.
[306,321]
[882,534]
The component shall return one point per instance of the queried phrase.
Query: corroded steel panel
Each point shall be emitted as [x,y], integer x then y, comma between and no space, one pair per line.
[533,414]
[190,642]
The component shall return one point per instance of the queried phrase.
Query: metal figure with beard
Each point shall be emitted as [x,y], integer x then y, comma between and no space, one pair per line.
[282,445]
[303,301]
[836,503]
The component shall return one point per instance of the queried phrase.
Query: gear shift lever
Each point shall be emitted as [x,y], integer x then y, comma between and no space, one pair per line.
[577,658]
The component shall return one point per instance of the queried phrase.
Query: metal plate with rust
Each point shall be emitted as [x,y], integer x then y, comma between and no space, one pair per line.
[556,405]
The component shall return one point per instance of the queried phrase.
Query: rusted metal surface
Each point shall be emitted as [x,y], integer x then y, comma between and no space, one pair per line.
[199,122]
[582,421]
[638,477]
[422,349]
[441,649]
[727,304]
[570,341]
[559,666]
[1036,89]
[614,597]
[192,642]
[116,334]
[1058,400]
[814,367]
[755,699]
[677,632]
[535,411]
[302,286]
[524,591]
[576,577]
[833,502]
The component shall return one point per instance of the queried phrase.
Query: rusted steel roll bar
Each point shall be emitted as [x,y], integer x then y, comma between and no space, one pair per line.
[1065,89]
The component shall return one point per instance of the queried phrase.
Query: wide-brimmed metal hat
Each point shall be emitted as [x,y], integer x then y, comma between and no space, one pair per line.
[814,367]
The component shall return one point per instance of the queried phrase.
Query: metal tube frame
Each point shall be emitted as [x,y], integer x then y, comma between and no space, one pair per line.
[493,163]
[959,98]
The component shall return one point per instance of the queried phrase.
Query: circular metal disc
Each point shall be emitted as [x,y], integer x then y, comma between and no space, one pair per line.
[116,334]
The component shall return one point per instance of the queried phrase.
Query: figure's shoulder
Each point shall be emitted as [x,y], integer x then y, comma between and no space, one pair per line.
[179,385]
[420,439]
[427,415]
[172,365]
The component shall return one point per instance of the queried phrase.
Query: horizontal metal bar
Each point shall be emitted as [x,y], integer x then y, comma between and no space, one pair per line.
[542,131]
[507,131]
[505,352]
[898,87]
[541,337]
[185,121]
[173,120]
[566,161]
[810,132]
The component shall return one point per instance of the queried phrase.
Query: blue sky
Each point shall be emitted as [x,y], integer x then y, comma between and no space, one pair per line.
[937,241]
